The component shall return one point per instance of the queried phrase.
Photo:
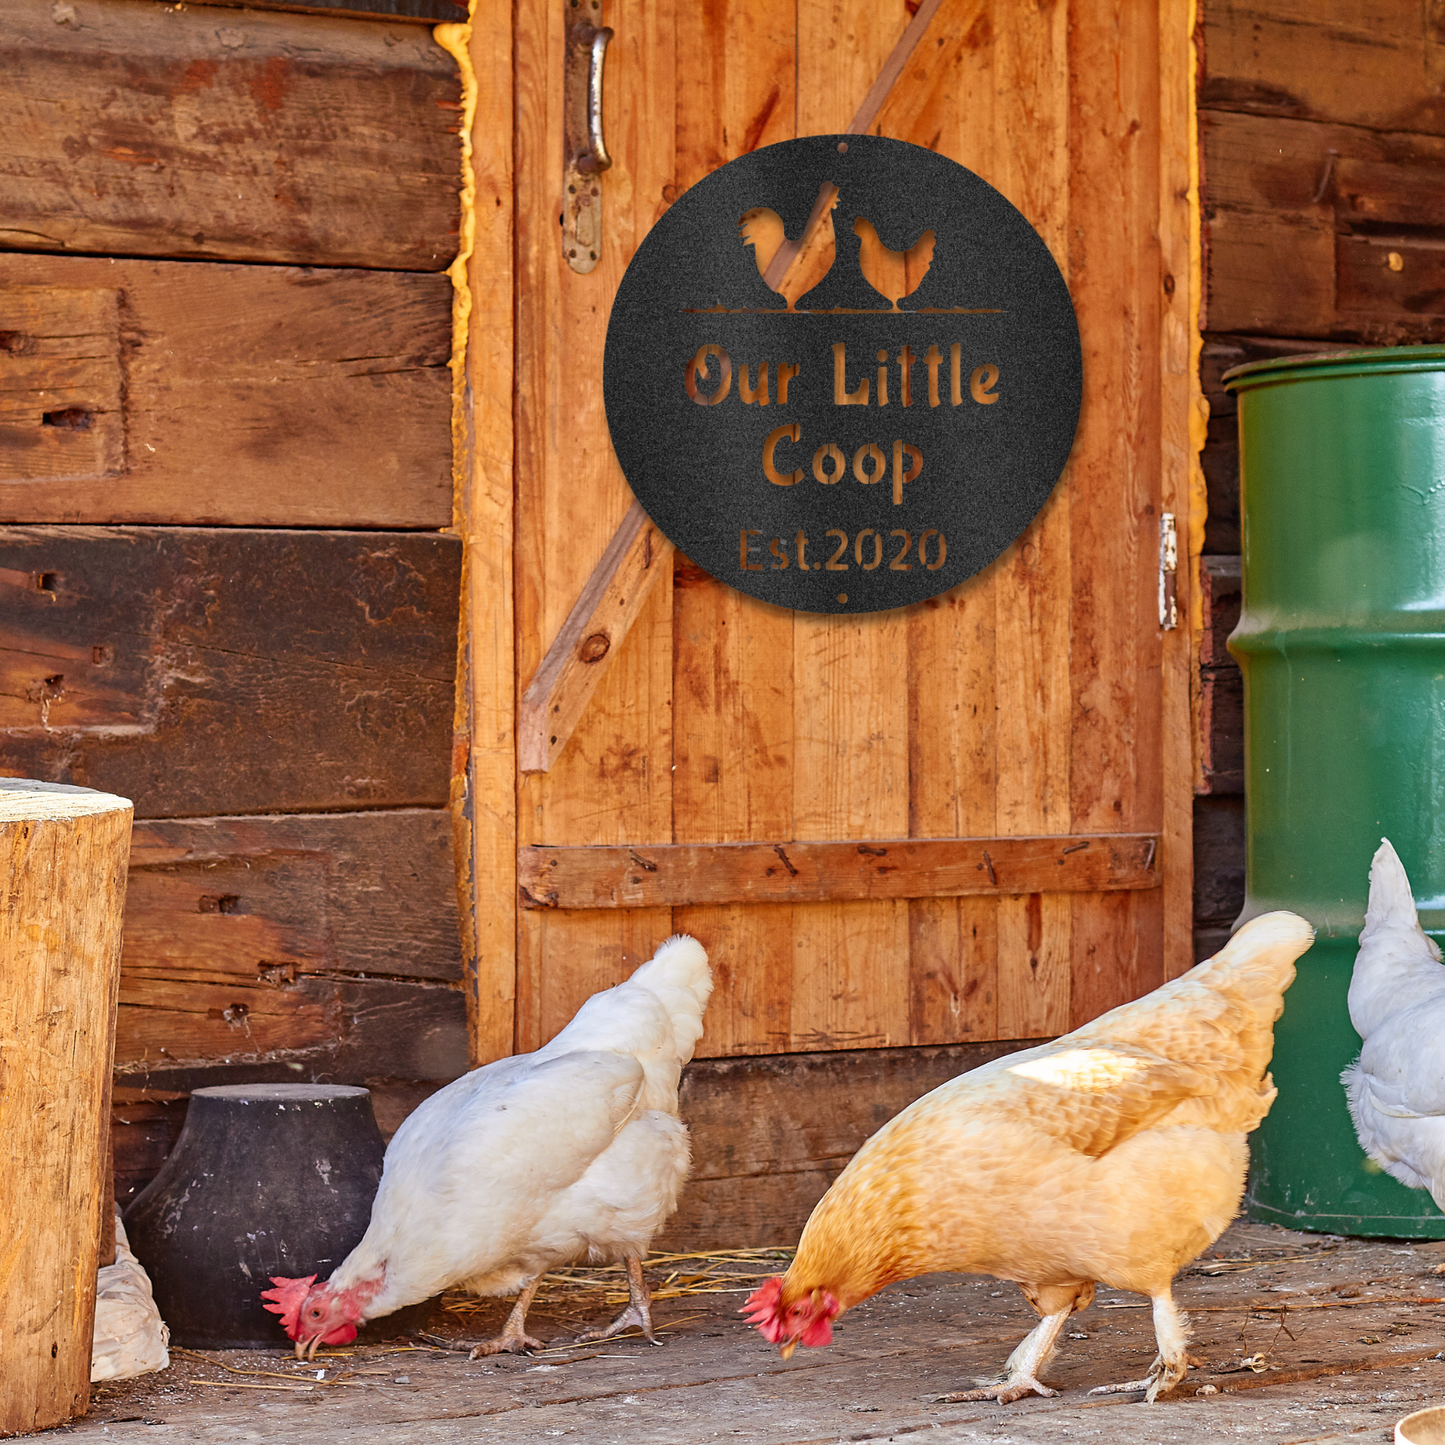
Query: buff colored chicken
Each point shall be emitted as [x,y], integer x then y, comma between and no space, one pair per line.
[892,274]
[792,268]
[1116,1154]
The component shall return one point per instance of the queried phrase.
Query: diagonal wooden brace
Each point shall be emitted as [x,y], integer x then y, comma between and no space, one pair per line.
[591,637]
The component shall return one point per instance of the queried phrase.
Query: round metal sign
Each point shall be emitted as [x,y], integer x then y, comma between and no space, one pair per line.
[842,374]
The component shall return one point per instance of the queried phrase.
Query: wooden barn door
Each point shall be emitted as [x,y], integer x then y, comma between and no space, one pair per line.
[1041,700]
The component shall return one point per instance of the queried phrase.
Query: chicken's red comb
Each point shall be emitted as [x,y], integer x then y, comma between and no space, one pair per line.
[764,1309]
[286,1300]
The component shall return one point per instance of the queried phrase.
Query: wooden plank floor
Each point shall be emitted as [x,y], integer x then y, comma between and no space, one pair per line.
[1369,1312]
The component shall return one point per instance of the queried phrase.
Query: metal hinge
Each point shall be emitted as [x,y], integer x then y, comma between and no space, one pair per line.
[1168,572]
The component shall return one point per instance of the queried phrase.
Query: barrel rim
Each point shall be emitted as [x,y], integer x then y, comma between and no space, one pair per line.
[1361,360]
[281,1093]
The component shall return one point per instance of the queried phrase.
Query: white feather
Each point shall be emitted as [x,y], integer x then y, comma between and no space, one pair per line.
[533,1161]
[1396,1088]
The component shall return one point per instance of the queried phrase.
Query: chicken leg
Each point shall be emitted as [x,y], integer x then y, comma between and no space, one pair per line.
[514,1338]
[1022,1368]
[638,1311]
[1171,1364]
[1055,1303]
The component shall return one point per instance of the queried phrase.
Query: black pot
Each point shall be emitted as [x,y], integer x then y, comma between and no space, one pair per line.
[266,1179]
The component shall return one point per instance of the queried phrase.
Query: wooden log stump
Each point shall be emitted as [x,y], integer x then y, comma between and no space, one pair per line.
[63,856]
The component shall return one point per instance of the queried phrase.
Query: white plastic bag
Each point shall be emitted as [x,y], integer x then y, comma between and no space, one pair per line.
[130,1336]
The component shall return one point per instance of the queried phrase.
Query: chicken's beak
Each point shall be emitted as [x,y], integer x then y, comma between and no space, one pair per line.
[301,1349]
[787,1347]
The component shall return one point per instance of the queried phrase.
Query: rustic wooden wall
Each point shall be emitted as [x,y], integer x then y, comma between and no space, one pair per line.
[1322,132]
[225,471]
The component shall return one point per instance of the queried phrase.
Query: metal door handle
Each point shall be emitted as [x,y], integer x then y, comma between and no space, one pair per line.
[596,158]
[584,150]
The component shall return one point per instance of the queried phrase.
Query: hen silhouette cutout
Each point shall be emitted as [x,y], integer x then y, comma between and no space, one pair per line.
[792,268]
[892,274]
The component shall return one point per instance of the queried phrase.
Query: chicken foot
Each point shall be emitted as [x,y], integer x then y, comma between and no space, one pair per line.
[638,1311]
[1021,1377]
[514,1338]
[1171,1364]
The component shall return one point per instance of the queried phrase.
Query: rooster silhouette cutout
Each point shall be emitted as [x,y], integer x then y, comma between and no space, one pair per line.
[892,274]
[792,268]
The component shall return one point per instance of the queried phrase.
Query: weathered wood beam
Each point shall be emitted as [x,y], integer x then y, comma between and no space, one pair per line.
[484,780]
[135,130]
[677,874]
[266,899]
[590,638]
[326,405]
[1304,217]
[228,670]
[421,12]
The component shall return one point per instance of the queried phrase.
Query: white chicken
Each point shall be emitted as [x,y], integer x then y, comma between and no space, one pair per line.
[528,1163]
[1396,1088]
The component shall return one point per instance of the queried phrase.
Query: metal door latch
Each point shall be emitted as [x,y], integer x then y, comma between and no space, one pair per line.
[1168,572]
[584,149]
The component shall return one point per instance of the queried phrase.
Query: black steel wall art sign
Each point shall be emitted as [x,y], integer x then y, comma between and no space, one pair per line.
[842,374]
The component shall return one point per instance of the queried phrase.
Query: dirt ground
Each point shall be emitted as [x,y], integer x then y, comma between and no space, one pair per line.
[1299,1337]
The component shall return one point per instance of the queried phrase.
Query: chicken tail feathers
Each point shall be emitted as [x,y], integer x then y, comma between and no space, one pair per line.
[1258,962]
[679,975]
[762,229]
[1398,961]
[920,258]
[1218,1020]
[1392,904]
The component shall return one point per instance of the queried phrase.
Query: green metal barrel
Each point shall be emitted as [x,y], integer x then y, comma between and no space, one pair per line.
[1342,644]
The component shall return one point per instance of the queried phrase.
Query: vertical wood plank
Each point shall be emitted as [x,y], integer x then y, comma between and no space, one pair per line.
[733,782]
[1183,421]
[952,768]
[483,787]
[613,783]
[850,976]
[842,45]
[733,722]
[1028,161]
[1117,281]
[1036,944]
[988,86]
[953,969]
[850,780]
[537,145]
[851,984]
[735,81]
